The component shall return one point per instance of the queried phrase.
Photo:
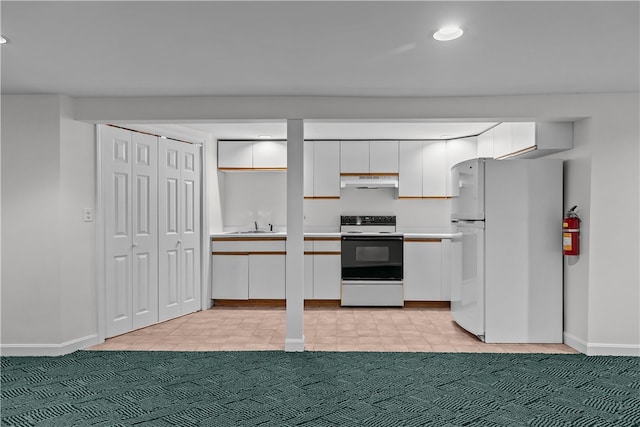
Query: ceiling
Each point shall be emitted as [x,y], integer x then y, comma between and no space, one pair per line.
[319,48]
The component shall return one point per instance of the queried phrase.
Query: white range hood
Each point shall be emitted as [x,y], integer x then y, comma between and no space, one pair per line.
[369,181]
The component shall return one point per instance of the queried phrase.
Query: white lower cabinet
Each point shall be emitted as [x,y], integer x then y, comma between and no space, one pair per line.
[230,276]
[322,266]
[326,276]
[308,276]
[248,268]
[266,276]
[425,279]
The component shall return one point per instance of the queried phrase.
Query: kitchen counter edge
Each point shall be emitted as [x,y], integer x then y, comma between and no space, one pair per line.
[333,234]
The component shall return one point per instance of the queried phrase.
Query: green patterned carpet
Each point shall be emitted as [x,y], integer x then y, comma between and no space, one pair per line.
[102,388]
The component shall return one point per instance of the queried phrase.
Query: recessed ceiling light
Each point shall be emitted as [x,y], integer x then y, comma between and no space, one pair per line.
[2,40]
[265,137]
[447,33]
[446,136]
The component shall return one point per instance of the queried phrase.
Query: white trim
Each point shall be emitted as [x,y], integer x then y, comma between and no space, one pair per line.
[601,349]
[100,242]
[205,242]
[49,349]
[291,344]
[575,342]
[605,349]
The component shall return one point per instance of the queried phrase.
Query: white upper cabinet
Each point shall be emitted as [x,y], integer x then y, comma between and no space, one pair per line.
[523,137]
[502,140]
[369,157]
[434,169]
[354,156]
[235,154]
[410,169]
[511,139]
[526,139]
[308,168]
[270,154]
[485,144]
[423,169]
[326,169]
[383,156]
[459,150]
[252,154]
[322,169]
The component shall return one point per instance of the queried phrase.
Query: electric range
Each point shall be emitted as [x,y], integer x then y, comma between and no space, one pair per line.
[372,261]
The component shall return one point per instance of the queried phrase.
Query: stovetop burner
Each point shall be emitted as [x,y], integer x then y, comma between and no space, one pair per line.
[368,224]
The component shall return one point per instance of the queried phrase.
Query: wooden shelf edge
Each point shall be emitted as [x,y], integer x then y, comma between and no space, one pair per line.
[314,303]
[248,303]
[252,169]
[247,239]
[369,174]
[322,197]
[325,239]
[423,197]
[427,304]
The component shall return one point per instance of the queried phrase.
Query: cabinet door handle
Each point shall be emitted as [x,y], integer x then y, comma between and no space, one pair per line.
[179,242]
[135,245]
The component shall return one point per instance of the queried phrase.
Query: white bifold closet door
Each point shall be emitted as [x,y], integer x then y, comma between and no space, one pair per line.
[179,228]
[151,209]
[130,177]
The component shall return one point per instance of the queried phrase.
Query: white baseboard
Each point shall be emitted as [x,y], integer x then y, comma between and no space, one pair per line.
[49,349]
[291,345]
[601,349]
[575,342]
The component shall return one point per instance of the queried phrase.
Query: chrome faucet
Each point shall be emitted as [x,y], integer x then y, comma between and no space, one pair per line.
[255,223]
[270,227]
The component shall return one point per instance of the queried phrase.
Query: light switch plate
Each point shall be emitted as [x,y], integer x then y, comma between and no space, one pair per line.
[87,214]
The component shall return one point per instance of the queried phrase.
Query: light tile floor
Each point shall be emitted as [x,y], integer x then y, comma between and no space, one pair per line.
[325,329]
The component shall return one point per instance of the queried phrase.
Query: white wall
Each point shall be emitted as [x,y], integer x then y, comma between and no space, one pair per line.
[411,215]
[76,237]
[609,136]
[262,196]
[614,291]
[253,196]
[604,178]
[30,234]
[48,252]
[602,172]
[577,192]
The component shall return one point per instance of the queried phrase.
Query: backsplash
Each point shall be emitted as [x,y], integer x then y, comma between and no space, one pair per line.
[261,196]
[253,196]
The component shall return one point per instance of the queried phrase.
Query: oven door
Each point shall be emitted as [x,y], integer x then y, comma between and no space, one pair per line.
[372,257]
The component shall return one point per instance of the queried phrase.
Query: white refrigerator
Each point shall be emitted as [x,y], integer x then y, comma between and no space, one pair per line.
[509,213]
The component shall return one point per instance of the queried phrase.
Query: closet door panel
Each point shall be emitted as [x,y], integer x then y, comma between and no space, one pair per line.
[168,229]
[190,228]
[117,198]
[145,230]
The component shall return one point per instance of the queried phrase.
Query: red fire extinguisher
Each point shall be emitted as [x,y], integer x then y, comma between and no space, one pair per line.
[571,233]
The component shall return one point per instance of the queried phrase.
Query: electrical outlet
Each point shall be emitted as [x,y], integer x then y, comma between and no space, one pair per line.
[87,214]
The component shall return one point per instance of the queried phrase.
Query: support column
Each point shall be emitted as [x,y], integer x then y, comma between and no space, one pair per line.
[295,237]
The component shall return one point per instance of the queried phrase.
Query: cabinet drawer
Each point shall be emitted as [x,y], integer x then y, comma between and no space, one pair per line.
[322,244]
[248,246]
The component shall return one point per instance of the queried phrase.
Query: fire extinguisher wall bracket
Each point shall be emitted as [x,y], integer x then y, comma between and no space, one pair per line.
[571,233]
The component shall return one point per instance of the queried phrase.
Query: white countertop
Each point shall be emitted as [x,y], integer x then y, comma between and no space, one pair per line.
[426,235]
